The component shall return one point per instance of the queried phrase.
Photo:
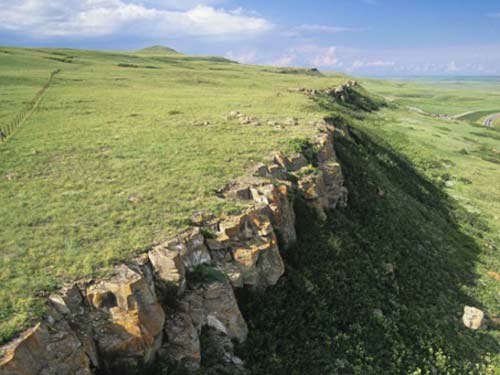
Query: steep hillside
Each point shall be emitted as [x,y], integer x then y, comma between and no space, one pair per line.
[381,286]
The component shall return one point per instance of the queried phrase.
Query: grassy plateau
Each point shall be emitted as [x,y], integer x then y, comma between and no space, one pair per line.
[121,151]
[124,147]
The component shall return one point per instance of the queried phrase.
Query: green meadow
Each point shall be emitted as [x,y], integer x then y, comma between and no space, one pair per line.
[121,151]
[473,96]
[125,146]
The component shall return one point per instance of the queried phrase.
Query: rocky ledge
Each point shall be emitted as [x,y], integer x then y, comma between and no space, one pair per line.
[156,305]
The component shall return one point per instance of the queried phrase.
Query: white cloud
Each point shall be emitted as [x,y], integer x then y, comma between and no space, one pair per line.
[359,64]
[326,29]
[45,18]
[176,4]
[326,58]
[244,57]
[286,59]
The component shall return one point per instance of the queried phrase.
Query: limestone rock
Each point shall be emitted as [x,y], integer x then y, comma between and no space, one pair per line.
[211,305]
[69,303]
[191,247]
[45,350]
[255,249]
[277,172]
[297,162]
[261,170]
[183,342]
[325,189]
[221,311]
[474,318]
[168,269]
[281,160]
[127,318]
[281,212]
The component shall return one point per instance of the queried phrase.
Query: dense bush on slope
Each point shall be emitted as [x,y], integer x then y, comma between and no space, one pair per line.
[378,288]
[375,289]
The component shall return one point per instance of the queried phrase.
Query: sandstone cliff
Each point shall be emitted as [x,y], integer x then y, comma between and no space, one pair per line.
[158,304]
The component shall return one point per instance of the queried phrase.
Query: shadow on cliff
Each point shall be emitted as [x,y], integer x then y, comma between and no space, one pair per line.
[377,289]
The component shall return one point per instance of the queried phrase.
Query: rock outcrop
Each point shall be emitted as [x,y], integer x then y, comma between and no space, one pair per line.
[49,348]
[161,303]
[342,92]
[474,318]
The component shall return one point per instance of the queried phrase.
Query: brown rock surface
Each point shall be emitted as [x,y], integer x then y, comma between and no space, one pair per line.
[45,350]
[127,318]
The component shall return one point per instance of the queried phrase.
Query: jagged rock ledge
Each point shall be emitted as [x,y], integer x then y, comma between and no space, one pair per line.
[156,305]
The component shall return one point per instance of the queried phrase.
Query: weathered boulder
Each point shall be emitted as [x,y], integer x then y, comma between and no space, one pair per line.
[211,304]
[127,320]
[324,189]
[50,348]
[221,311]
[474,318]
[296,162]
[168,270]
[254,248]
[191,246]
[281,212]
[69,302]
[182,341]
[273,200]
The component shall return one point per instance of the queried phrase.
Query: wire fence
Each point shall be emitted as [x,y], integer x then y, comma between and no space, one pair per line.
[8,129]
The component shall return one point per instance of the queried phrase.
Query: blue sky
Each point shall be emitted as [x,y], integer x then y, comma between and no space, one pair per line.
[364,37]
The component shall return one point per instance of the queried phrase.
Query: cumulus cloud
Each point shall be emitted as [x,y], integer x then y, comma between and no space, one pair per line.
[89,18]
[326,58]
[286,59]
[244,57]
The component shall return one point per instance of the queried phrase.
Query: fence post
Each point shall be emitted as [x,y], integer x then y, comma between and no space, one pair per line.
[19,117]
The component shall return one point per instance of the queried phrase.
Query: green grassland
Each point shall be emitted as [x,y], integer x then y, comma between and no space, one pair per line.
[451,96]
[122,149]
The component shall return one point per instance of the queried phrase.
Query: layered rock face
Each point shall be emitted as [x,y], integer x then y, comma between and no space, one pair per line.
[343,91]
[158,304]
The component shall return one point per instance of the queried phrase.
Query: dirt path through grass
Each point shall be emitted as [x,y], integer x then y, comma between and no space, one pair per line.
[490,120]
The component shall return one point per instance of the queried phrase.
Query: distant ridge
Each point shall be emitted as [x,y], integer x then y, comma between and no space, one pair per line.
[158,50]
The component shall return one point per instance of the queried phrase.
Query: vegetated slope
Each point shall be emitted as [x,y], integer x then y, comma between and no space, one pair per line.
[121,151]
[381,286]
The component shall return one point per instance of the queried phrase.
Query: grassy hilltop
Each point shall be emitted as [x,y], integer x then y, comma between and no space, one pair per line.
[124,147]
[121,151]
